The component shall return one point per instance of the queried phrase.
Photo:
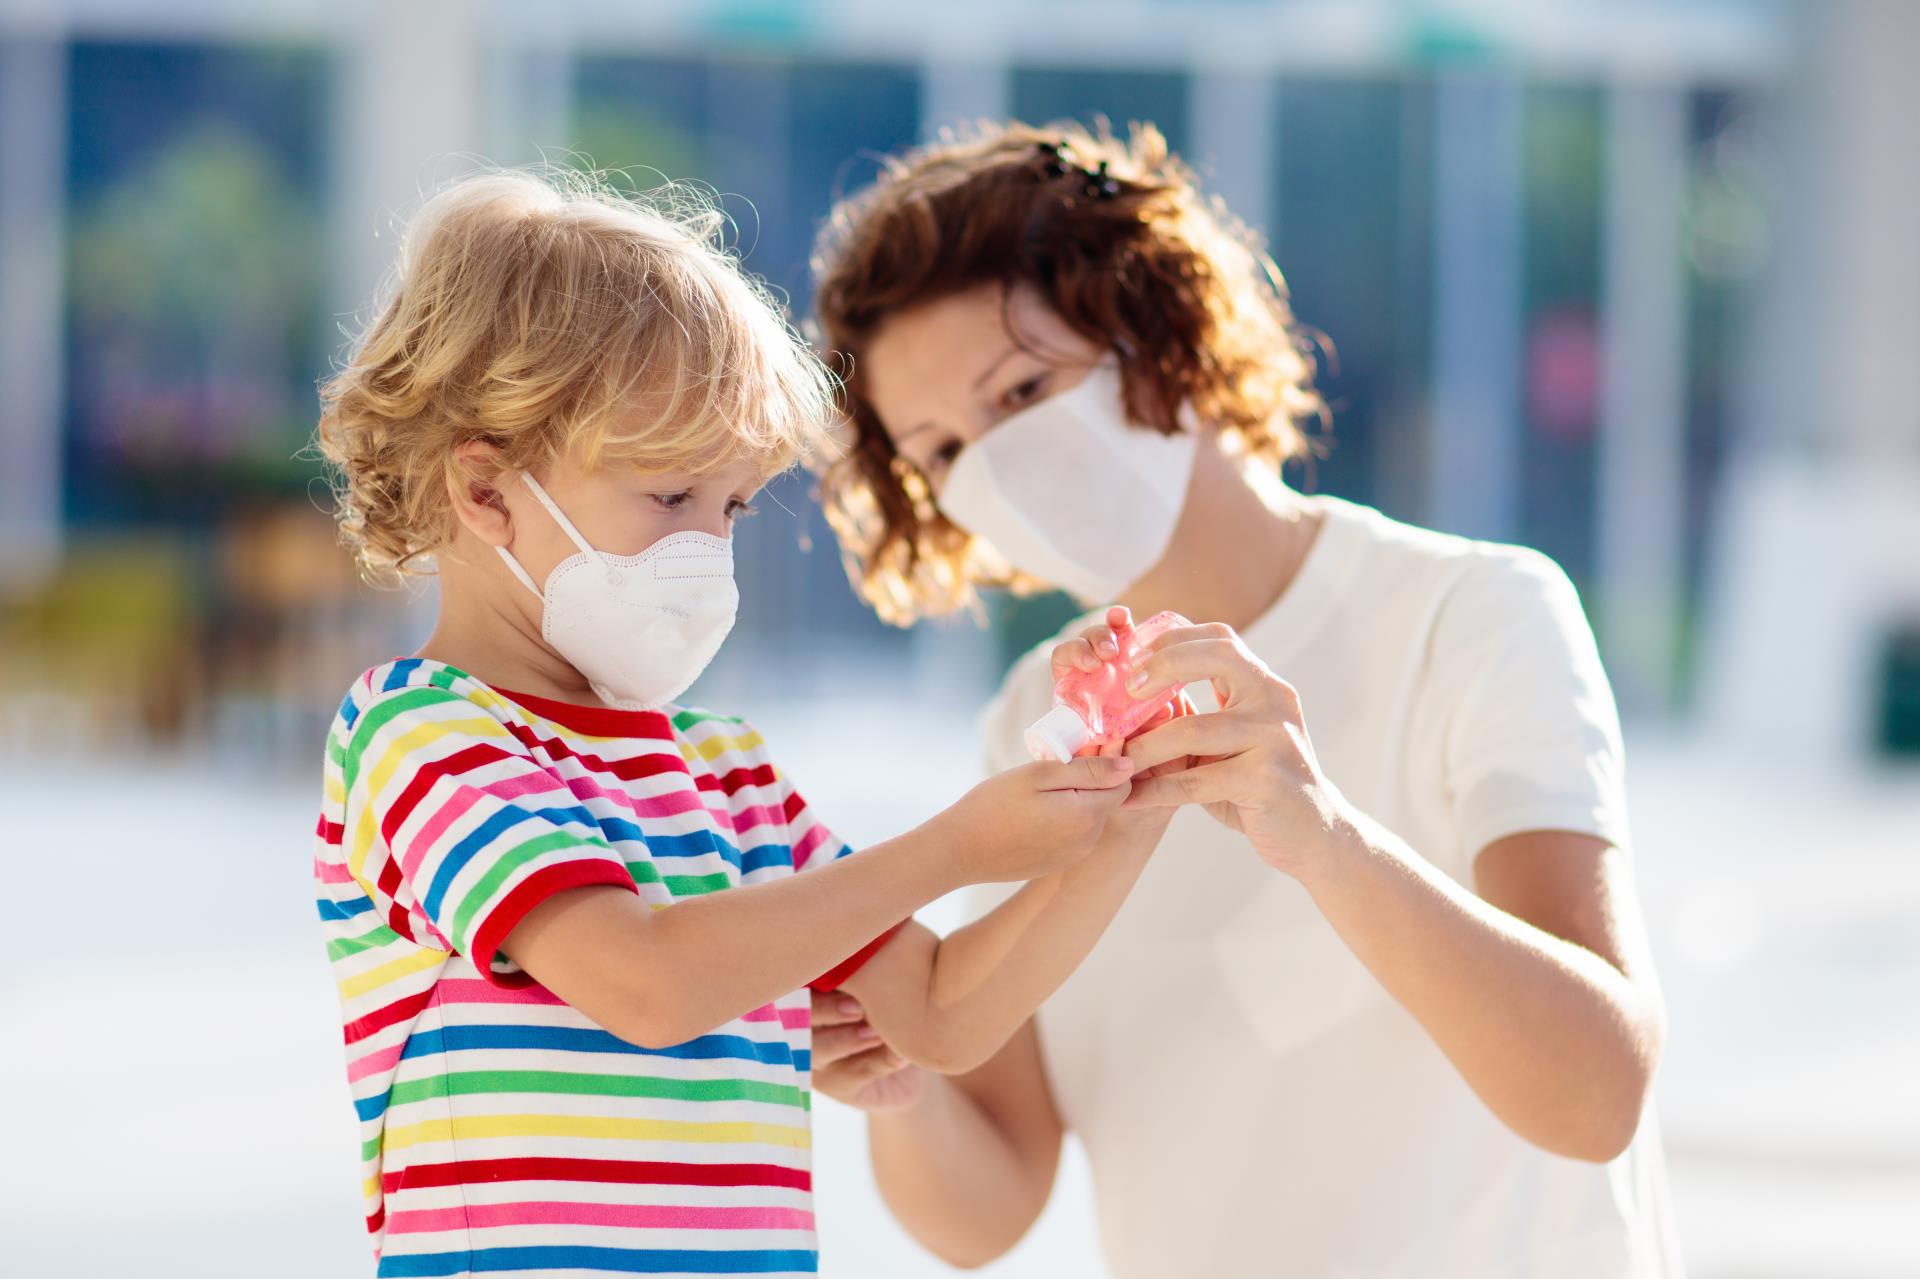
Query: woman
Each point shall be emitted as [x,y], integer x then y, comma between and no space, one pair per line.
[1381,1003]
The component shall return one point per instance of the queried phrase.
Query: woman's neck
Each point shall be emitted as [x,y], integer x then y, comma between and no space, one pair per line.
[1241,539]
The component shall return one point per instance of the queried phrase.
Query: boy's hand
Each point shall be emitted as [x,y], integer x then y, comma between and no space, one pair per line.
[1035,819]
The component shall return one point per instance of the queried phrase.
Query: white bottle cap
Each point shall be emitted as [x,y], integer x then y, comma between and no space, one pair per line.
[1057,734]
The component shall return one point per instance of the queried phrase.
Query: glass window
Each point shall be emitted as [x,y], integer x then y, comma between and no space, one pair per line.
[195,328]
[1352,197]
[1043,94]
[1726,240]
[1563,194]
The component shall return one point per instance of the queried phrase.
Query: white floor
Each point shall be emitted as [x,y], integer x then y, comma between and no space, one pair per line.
[169,1046]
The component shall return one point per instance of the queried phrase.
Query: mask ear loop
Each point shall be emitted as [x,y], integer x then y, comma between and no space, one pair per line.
[513,566]
[566,526]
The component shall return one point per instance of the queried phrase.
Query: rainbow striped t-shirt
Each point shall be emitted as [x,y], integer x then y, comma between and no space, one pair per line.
[501,1131]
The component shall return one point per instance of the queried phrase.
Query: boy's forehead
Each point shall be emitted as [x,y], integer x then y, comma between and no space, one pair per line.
[736,474]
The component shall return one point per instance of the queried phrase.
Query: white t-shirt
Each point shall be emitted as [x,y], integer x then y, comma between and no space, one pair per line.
[1251,1101]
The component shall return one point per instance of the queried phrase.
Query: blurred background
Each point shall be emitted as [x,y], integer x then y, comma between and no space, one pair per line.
[1631,281]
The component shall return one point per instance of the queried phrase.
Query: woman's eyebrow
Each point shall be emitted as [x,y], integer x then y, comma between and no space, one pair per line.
[993,368]
[985,374]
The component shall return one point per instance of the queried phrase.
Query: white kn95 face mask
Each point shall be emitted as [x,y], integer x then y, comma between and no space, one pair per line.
[641,627]
[1069,491]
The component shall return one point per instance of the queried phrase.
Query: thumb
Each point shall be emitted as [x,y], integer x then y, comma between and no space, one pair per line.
[1089,772]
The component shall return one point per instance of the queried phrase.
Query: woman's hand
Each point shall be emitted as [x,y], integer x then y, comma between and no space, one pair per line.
[851,1064]
[1251,764]
[1092,647]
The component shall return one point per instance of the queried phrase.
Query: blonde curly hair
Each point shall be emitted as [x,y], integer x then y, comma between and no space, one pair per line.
[1116,236]
[550,316]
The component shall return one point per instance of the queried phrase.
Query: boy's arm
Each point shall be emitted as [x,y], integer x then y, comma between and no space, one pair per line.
[950,1004]
[662,977]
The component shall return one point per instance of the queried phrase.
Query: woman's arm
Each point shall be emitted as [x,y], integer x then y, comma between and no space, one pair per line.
[950,1004]
[1540,992]
[649,977]
[967,1168]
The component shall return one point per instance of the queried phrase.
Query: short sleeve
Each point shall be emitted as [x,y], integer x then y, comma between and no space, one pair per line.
[812,842]
[455,831]
[1532,736]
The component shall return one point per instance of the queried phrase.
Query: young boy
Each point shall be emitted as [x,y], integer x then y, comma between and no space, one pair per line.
[574,924]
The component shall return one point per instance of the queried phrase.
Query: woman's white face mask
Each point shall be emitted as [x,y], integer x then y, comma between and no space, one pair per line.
[1068,491]
[641,627]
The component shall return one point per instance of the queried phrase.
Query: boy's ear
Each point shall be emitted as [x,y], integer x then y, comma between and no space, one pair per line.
[474,481]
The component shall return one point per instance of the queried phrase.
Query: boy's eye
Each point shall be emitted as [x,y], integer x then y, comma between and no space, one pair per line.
[671,501]
[738,510]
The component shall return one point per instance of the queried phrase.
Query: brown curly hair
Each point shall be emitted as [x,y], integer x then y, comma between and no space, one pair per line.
[551,316]
[1118,240]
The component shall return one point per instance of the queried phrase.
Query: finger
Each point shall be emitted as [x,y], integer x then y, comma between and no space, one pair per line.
[1221,660]
[1106,638]
[1075,655]
[1088,811]
[836,1008]
[1101,641]
[831,1043]
[1089,772]
[1102,803]
[1094,645]
[1091,807]
[863,1068]
[1203,784]
[1188,634]
[1225,733]
[1161,770]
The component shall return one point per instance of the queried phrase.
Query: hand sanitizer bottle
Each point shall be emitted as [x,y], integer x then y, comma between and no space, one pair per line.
[1094,708]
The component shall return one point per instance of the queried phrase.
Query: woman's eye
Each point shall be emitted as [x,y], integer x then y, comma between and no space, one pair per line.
[671,501]
[1025,393]
[944,455]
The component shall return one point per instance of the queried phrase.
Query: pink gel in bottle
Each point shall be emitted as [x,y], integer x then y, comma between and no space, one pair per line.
[1094,708]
